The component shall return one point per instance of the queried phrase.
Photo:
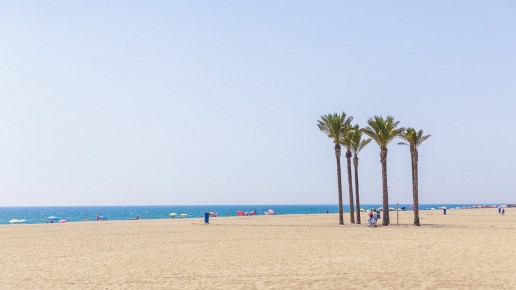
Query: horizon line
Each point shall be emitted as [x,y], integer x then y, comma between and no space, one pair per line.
[272,204]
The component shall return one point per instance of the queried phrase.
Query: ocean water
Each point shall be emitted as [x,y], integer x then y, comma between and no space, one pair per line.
[36,215]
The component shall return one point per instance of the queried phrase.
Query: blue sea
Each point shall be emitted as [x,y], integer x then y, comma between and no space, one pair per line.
[36,215]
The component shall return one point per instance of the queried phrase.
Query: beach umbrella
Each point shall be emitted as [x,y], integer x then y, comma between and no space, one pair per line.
[63,221]
[184,214]
[52,218]
[173,214]
[271,211]
[17,221]
[240,212]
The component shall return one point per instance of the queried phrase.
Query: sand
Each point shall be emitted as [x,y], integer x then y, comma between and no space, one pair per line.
[466,249]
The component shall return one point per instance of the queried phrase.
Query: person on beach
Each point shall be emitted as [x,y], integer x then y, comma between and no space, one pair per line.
[377,214]
[503,210]
[499,210]
[370,221]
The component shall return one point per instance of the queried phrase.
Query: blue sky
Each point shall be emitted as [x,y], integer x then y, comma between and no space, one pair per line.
[216,102]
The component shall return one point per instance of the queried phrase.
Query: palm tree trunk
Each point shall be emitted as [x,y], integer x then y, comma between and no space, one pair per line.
[350,187]
[415,187]
[383,159]
[339,184]
[357,196]
[413,182]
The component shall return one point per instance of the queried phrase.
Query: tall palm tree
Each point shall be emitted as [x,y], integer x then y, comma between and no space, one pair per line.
[383,131]
[347,143]
[335,126]
[413,139]
[357,144]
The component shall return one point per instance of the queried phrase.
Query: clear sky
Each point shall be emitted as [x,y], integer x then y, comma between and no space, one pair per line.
[216,102]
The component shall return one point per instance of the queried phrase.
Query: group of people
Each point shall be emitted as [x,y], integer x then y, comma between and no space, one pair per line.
[101,218]
[374,216]
[501,210]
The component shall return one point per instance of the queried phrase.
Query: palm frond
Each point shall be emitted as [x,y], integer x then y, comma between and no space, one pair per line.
[364,143]
[383,130]
[335,125]
[414,138]
[355,141]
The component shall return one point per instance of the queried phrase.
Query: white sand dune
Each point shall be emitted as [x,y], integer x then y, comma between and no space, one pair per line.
[469,249]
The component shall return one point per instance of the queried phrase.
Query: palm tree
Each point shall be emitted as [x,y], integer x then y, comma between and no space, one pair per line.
[357,144]
[335,126]
[413,139]
[383,131]
[347,143]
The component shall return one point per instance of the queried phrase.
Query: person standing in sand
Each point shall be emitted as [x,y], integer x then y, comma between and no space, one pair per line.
[370,221]
[503,210]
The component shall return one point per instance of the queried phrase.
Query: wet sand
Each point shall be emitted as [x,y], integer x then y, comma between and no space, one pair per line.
[466,249]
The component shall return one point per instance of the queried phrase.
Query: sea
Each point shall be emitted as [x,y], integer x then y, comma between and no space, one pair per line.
[38,215]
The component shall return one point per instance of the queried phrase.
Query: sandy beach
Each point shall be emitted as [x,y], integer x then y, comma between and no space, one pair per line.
[466,249]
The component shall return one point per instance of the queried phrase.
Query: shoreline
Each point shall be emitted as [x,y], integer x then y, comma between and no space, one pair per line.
[392,212]
[250,217]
